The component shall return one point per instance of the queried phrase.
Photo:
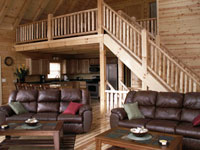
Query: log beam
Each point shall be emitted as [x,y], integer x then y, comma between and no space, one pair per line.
[102,52]
[100,16]
[120,74]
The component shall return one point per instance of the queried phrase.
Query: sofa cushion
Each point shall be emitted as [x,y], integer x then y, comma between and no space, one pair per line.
[70,118]
[26,95]
[191,106]
[18,108]
[46,116]
[71,95]
[166,126]
[133,123]
[48,107]
[144,98]
[72,108]
[148,111]
[49,95]
[133,111]
[168,113]
[169,100]
[187,129]
[20,117]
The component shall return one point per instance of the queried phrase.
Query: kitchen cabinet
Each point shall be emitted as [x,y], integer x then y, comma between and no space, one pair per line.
[37,66]
[94,61]
[83,66]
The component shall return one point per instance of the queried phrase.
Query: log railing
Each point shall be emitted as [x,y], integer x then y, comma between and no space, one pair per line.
[83,22]
[149,24]
[115,99]
[123,31]
[36,31]
[74,24]
[173,74]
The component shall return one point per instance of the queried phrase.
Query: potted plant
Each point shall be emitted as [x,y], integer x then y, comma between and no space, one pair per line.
[21,73]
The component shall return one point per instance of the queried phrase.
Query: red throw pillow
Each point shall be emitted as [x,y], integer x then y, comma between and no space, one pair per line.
[196,121]
[72,108]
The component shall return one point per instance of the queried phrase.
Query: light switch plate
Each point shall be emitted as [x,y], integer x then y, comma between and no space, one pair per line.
[3,79]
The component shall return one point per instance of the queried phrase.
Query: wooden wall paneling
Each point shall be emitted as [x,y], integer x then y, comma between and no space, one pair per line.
[179,23]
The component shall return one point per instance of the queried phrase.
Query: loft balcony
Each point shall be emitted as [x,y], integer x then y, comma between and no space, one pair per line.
[82,23]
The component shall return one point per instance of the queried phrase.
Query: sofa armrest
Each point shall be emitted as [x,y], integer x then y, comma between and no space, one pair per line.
[120,112]
[84,108]
[86,112]
[6,110]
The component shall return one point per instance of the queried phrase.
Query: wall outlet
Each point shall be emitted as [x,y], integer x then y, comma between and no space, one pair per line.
[3,79]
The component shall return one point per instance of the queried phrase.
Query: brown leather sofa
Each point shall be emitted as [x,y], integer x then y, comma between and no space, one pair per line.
[49,105]
[164,112]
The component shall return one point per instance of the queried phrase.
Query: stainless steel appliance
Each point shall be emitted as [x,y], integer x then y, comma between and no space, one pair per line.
[112,75]
[94,69]
[93,88]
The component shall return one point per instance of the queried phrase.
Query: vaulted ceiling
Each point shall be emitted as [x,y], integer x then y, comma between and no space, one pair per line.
[15,12]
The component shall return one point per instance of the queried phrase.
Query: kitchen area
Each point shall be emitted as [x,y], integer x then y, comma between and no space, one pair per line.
[83,73]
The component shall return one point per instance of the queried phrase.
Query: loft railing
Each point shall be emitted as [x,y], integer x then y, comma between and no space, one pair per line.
[149,24]
[153,58]
[74,24]
[35,31]
[83,22]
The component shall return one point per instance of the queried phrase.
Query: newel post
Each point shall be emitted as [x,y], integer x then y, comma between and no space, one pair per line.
[144,58]
[100,16]
[49,27]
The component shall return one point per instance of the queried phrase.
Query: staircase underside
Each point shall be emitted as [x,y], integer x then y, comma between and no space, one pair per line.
[74,45]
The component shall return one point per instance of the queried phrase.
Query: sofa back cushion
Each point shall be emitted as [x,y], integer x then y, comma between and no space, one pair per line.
[48,100]
[73,95]
[169,105]
[146,101]
[28,98]
[191,106]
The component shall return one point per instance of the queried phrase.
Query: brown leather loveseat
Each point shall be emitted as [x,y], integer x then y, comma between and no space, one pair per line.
[49,105]
[167,112]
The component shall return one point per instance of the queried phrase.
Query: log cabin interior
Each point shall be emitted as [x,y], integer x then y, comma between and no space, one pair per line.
[106,46]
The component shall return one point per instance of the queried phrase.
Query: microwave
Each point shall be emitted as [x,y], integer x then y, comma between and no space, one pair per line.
[94,68]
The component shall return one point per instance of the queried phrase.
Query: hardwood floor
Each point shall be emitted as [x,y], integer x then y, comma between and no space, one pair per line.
[100,124]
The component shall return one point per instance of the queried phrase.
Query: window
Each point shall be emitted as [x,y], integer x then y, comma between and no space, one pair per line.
[54,70]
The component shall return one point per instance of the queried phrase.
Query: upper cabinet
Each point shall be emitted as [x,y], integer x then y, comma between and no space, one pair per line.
[38,66]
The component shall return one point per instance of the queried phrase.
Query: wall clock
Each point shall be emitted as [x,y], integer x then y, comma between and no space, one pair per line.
[8,61]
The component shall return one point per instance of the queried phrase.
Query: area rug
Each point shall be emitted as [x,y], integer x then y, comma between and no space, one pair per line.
[67,143]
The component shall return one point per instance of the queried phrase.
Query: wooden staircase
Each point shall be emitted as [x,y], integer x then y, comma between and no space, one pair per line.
[152,63]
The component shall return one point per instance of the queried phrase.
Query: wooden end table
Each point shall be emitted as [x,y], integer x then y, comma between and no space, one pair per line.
[44,128]
[118,137]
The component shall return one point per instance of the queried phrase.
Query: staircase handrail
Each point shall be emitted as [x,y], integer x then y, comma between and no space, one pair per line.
[125,88]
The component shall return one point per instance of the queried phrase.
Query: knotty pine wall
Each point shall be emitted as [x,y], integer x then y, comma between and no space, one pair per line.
[7,39]
[136,8]
[179,22]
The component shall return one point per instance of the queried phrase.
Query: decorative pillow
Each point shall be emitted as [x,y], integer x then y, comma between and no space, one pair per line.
[72,108]
[18,108]
[196,121]
[133,111]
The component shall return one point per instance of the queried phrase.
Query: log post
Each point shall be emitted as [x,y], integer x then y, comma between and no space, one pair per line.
[144,58]
[102,51]
[100,16]
[49,27]
[120,74]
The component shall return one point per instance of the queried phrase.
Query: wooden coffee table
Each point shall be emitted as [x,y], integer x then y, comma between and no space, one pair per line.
[44,128]
[118,137]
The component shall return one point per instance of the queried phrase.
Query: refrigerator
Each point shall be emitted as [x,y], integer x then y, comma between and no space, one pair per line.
[112,75]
